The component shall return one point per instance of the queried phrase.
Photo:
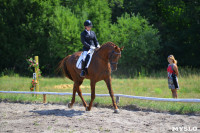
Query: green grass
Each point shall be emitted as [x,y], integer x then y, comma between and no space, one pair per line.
[145,86]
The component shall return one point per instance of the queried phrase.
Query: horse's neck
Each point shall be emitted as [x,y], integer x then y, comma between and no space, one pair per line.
[102,53]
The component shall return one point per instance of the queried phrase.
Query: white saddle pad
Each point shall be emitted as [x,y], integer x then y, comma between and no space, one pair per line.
[79,62]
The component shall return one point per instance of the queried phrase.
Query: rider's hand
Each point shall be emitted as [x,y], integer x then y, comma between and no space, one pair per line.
[98,46]
[92,47]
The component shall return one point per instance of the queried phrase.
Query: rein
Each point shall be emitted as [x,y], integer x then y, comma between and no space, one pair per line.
[113,52]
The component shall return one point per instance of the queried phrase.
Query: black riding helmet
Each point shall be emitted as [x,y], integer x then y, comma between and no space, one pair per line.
[87,23]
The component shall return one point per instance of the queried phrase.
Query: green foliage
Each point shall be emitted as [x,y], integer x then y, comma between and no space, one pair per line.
[178,24]
[51,30]
[42,28]
[64,33]
[97,11]
[140,40]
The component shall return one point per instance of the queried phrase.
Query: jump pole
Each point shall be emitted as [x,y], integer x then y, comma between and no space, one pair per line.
[37,74]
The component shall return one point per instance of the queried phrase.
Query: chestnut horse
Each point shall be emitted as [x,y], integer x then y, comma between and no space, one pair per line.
[104,61]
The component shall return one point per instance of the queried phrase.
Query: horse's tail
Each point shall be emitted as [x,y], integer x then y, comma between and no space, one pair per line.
[63,67]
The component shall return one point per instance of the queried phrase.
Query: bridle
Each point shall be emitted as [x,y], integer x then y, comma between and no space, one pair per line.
[113,52]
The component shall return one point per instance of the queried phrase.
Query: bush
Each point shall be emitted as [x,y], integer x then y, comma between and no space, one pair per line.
[51,30]
[141,43]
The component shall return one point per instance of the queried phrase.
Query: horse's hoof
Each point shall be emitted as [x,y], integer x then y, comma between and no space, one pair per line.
[69,105]
[116,111]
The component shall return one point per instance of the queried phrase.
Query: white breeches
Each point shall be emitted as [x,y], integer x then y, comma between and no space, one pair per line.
[84,54]
[91,51]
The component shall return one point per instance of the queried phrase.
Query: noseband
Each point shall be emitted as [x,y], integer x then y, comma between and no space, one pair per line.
[113,52]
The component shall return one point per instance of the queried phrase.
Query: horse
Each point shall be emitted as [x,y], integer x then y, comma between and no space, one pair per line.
[103,62]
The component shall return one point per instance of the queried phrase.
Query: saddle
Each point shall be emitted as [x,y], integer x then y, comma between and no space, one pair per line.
[87,60]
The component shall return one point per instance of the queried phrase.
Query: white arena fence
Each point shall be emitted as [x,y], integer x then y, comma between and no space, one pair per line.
[105,95]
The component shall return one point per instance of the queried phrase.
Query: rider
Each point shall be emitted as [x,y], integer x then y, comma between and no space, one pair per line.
[89,41]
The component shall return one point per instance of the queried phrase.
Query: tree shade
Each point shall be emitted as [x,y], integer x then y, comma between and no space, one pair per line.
[149,30]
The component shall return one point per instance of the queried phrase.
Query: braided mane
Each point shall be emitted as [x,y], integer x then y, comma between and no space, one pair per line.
[107,44]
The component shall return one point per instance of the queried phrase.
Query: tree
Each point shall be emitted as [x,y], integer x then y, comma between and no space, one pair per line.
[97,11]
[140,40]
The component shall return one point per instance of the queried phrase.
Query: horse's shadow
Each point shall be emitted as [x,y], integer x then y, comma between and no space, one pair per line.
[59,112]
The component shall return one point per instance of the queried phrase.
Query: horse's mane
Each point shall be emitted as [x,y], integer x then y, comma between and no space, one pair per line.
[107,44]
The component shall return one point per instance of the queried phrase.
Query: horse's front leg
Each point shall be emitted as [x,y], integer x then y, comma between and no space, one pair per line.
[92,84]
[108,83]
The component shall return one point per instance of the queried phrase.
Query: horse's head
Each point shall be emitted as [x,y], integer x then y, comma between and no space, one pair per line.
[114,56]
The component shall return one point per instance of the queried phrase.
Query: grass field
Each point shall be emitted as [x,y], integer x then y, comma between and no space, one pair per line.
[141,86]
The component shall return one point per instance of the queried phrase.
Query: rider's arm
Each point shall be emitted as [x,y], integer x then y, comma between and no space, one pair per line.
[84,42]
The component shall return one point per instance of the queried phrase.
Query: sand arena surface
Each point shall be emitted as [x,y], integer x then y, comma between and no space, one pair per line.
[48,118]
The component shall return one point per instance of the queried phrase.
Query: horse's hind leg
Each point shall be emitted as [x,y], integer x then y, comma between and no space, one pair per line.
[77,89]
[73,96]
[80,95]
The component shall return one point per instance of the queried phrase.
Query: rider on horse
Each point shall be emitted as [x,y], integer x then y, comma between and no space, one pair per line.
[89,41]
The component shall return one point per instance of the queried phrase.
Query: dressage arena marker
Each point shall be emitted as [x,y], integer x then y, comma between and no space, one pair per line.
[106,95]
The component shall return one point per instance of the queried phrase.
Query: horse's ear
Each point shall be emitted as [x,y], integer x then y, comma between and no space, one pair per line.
[121,48]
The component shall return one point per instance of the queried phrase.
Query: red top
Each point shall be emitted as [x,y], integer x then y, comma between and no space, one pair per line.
[170,69]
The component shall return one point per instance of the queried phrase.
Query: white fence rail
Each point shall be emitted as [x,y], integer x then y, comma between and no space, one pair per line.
[106,95]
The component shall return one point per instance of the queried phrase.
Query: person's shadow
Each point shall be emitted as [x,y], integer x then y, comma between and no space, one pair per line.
[59,112]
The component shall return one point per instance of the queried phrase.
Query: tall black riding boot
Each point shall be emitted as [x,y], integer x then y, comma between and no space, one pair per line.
[83,69]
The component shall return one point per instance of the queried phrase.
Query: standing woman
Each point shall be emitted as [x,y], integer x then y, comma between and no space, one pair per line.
[89,41]
[172,75]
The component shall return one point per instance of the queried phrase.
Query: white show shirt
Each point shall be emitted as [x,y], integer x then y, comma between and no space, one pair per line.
[88,32]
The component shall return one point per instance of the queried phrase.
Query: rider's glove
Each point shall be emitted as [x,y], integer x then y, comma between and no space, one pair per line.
[98,46]
[92,47]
